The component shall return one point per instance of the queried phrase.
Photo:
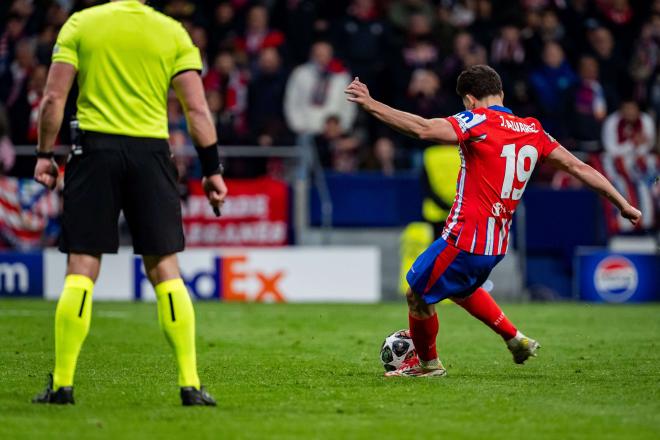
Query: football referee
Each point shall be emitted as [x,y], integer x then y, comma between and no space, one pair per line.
[125,56]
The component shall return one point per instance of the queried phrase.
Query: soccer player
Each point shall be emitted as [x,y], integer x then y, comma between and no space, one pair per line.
[499,152]
[126,56]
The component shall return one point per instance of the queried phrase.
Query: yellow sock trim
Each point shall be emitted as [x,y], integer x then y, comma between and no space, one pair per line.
[177,319]
[78,281]
[73,316]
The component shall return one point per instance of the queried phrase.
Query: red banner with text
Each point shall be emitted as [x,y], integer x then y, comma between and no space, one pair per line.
[256,213]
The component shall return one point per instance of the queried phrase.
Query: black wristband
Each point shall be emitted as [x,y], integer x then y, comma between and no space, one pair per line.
[45,154]
[210,160]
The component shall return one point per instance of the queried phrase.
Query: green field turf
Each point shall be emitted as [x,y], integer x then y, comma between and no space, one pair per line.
[312,371]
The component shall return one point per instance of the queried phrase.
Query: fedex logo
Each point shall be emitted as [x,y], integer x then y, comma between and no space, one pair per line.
[229,278]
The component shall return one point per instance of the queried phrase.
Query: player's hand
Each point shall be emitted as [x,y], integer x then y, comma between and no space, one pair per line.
[45,172]
[358,92]
[216,191]
[631,213]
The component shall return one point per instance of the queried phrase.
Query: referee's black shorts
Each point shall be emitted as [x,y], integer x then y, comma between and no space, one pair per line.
[120,173]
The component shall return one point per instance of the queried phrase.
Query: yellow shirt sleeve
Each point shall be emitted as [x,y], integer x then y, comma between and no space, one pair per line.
[188,57]
[66,47]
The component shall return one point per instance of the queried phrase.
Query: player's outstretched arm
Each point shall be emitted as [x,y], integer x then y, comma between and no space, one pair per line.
[433,130]
[562,159]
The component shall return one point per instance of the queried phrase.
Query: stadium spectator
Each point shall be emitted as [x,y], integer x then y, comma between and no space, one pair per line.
[551,83]
[7,153]
[484,27]
[400,12]
[629,132]
[508,56]
[426,97]
[15,85]
[467,53]
[315,91]
[544,27]
[337,150]
[417,52]
[589,105]
[266,93]
[612,68]
[382,157]
[646,57]
[222,31]
[361,40]
[226,77]
[258,35]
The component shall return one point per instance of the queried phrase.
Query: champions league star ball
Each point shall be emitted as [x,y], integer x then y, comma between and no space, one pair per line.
[397,348]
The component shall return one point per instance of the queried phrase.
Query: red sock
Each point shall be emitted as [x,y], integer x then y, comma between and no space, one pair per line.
[424,332]
[483,307]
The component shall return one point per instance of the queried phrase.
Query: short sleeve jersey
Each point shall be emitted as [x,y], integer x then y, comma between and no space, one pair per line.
[499,152]
[125,54]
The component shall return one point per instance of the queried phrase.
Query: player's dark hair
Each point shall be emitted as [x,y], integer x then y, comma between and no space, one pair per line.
[479,81]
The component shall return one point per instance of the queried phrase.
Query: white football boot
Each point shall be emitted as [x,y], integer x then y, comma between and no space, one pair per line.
[413,368]
[522,348]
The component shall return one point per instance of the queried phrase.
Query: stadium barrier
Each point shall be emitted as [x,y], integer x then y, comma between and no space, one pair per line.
[301,274]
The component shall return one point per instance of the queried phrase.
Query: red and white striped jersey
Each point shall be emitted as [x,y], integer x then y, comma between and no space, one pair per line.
[498,154]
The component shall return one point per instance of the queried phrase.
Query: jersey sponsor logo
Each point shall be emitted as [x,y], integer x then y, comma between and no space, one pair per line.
[518,126]
[467,120]
[616,279]
[498,209]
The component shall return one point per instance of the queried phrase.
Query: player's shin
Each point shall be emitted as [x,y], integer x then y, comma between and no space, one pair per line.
[423,322]
[72,319]
[483,307]
[177,319]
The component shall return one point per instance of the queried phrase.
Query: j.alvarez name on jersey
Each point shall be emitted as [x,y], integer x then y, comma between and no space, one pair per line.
[518,126]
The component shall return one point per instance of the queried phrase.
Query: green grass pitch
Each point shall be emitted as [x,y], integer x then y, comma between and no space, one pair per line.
[312,371]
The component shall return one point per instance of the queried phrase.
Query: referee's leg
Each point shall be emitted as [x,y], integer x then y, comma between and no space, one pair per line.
[73,315]
[175,314]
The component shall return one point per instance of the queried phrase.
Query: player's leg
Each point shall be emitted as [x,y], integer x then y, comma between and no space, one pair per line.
[423,322]
[177,320]
[427,287]
[482,306]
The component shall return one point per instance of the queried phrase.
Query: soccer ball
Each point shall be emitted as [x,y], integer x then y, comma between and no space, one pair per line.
[397,348]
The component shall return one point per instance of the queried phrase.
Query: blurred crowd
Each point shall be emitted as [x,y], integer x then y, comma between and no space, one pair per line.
[275,70]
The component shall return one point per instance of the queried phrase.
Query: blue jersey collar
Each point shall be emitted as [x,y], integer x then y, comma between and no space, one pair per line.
[499,108]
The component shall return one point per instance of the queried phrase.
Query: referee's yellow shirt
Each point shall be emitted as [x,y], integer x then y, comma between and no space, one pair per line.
[125,54]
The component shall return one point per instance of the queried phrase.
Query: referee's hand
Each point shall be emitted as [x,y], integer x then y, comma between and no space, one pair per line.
[216,191]
[45,172]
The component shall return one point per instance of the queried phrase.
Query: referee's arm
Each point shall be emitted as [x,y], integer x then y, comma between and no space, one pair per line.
[51,112]
[190,91]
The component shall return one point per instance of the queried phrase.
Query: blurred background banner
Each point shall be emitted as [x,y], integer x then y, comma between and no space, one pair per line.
[302,274]
[28,214]
[256,213]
